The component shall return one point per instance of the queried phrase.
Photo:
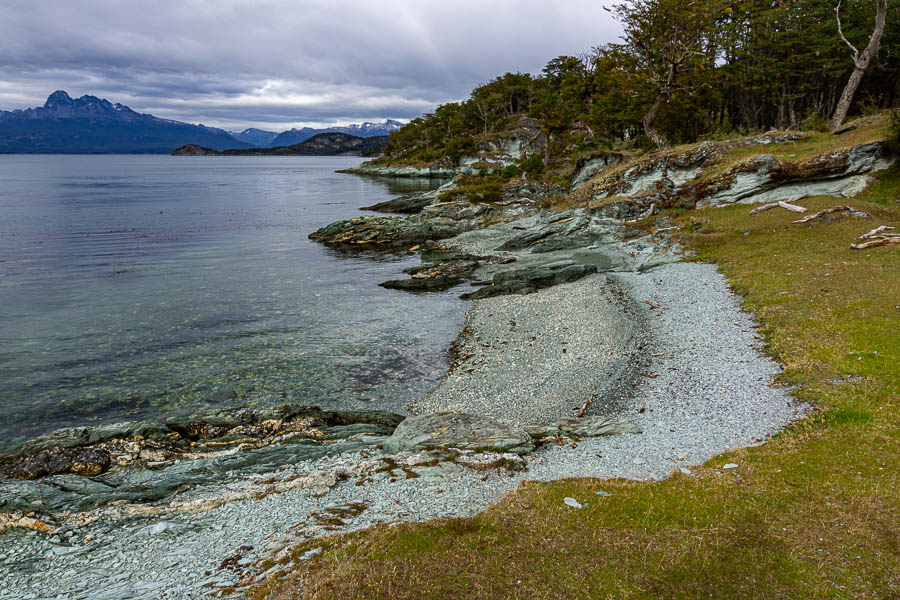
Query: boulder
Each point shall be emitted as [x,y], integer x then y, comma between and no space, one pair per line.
[458,430]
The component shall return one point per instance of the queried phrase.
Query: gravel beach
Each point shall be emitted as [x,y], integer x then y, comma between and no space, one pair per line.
[703,388]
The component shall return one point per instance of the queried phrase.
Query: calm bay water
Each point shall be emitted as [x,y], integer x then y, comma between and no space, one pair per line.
[139,287]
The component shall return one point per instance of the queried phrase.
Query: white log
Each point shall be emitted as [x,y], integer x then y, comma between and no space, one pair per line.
[792,207]
[875,232]
[824,211]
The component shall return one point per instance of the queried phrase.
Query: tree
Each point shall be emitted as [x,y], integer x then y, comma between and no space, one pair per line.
[860,61]
[670,37]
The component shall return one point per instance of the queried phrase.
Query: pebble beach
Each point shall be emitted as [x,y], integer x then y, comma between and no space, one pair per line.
[669,349]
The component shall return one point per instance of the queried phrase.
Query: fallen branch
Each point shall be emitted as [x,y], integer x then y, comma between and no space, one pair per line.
[783,204]
[793,207]
[824,211]
[875,232]
[880,242]
[648,375]
[759,209]
[584,406]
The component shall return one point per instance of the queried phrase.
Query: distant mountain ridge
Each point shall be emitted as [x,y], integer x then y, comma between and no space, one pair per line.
[295,136]
[257,137]
[323,144]
[91,125]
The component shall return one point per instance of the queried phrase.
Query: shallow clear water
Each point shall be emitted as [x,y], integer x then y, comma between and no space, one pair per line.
[151,286]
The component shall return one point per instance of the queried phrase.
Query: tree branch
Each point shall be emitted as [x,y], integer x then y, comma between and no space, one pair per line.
[837,14]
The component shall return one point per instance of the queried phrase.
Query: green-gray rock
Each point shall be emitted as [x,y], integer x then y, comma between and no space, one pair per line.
[457,430]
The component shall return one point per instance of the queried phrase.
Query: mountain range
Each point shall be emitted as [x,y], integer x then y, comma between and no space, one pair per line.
[91,125]
[295,136]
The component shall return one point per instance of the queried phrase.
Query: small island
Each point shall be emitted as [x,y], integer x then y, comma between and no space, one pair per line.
[323,144]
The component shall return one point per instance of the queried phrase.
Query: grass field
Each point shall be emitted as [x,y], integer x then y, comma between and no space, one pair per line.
[813,513]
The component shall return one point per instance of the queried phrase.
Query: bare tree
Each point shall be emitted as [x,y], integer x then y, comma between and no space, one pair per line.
[860,62]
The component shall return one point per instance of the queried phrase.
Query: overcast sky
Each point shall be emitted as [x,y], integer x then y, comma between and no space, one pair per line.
[278,64]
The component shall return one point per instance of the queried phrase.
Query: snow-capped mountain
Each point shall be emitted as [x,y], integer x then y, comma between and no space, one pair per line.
[257,137]
[295,136]
[92,125]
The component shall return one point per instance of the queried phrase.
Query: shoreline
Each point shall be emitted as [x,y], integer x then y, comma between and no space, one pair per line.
[692,320]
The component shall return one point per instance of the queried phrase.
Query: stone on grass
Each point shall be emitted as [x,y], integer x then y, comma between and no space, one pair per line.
[730,466]
[572,502]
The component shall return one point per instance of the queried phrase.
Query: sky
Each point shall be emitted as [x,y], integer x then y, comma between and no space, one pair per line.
[277,64]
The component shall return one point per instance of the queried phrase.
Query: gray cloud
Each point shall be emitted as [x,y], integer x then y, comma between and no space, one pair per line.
[282,63]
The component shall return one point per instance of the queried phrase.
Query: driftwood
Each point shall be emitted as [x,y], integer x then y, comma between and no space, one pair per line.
[876,231]
[792,207]
[879,242]
[824,211]
[783,204]
[584,406]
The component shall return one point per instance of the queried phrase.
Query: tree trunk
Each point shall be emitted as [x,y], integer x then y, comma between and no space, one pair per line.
[860,64]
[664,94]
[655,136]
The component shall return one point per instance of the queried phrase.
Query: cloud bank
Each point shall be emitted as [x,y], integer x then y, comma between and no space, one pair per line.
[275,64]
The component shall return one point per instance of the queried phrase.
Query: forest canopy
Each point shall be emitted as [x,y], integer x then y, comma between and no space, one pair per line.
[721,68]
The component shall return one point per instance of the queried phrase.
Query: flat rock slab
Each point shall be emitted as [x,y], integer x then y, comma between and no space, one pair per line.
[458,430]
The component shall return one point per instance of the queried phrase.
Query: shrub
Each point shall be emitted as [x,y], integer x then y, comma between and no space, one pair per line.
[533,165]
[814,122]
[511,171]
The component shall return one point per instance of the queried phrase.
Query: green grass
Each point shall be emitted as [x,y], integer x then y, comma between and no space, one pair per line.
[813,513]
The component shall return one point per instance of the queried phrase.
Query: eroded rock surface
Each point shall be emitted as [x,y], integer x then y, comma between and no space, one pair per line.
[458,430]
[529,279]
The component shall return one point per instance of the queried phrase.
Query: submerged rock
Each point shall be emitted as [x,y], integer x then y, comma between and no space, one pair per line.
[455,430]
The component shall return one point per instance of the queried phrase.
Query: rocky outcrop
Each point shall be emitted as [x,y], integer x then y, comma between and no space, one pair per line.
[591,164]
[523,191]
[570,229]
[454,430]
[766,179]
[678,179]
[177,456]
[436,221]
[532,278]
[94,450]
[409,204]
[440,170]
[443,271]
[385,232]
[505,148]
